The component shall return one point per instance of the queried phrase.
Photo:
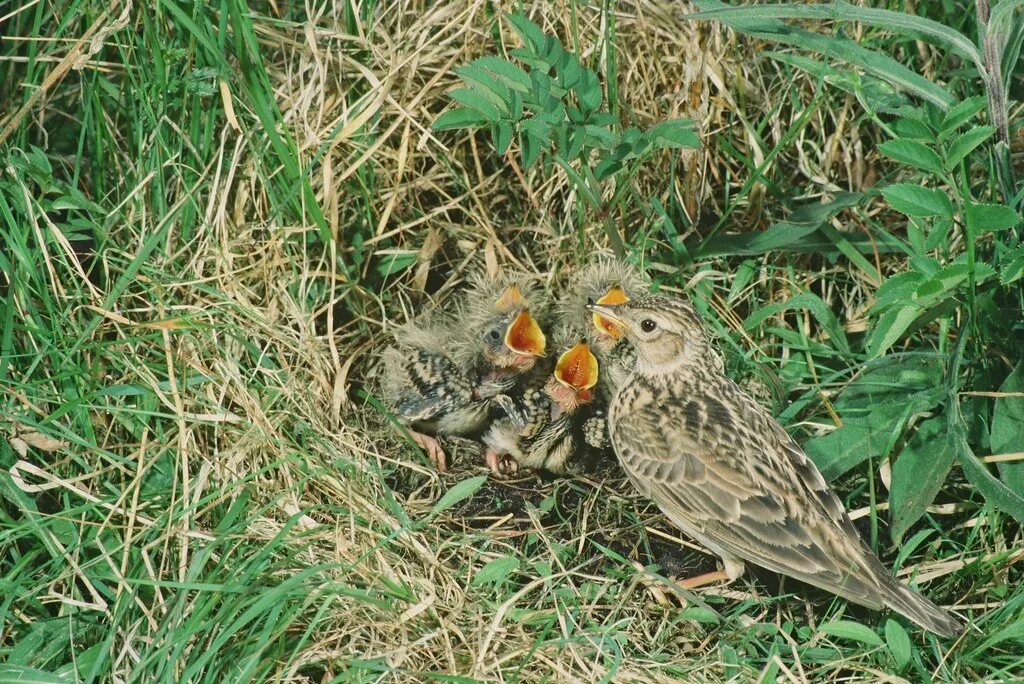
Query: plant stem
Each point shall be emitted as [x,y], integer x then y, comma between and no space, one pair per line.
[992,41]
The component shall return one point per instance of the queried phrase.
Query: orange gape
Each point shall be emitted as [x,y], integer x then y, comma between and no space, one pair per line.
[524,336]
[614,296]
[577,368]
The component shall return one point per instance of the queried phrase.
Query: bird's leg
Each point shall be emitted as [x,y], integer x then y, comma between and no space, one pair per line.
[731,570]
[502,465]
[433,448]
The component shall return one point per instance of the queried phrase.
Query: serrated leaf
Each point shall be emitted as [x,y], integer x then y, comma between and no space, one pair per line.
[588,92]
[1011,265]
[912,153]
[599,137]
[484,83]
[959,115]
[854,631]
[474,100]
[1008,427]
[606,168]
[898,642]
[914,200]
[501,136]
[918,474]
[897,288]
[510,74]
[532,146]
[675,133]
[890,328]
[913,129]
[531,34]
[460,117]
[985,218]
[460,492]
[496,571]
[965,144]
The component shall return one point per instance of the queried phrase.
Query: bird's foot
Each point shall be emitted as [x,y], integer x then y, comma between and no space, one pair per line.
[502,466]
[433,448]
[731,570]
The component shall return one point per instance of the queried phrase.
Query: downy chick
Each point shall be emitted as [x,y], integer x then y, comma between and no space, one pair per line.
[429,385]
[555,424]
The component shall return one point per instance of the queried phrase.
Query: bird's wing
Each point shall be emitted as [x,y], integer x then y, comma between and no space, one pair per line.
[727,472]
[434,386]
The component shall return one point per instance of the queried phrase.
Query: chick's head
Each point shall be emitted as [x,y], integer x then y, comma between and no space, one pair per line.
[606,281]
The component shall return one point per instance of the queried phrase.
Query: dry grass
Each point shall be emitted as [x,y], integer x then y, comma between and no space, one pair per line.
[252,343]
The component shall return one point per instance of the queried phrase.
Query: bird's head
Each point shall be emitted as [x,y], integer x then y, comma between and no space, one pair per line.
[666,331]
[576,373]
[513,339]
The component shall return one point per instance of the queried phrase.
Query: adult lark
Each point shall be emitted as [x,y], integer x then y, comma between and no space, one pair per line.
[726,473]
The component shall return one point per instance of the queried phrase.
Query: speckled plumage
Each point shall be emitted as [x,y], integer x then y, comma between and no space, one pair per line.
[725,472]
[551,426]
[448,374]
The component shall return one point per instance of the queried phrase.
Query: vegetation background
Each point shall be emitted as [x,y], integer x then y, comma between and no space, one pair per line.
[213,214]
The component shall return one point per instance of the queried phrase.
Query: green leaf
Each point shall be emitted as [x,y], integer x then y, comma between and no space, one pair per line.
[531,34]
[890,328]
[854,631]
[460,492]
[918,474]
[876,94]
[599,137]
[588,92]
[914,129]
[496,571]
[898,642]
[501,135]
[510,74]
[914,200]
[27,675]
[484,83]
[474,100]
[758,21]
[897,289]
[396,263]
[1008,427]
[959,115]
[460,117]
[985,218]
[965,144]
[675,133]
[1011,265]
[805,301]
[977,473]
[913,153]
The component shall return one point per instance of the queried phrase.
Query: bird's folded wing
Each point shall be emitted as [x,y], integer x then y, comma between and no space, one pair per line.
[746,491]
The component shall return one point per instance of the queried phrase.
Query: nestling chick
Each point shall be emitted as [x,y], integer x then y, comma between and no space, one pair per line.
[726,473]
[446,374]
[554,424]
[606,281]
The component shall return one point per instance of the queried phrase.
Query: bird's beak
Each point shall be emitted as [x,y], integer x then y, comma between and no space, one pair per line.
[577,369]
[610,313]
[524,336]
[610,325]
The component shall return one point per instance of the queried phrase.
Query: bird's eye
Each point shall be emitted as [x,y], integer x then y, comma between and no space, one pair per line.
[647,325]
[494,336]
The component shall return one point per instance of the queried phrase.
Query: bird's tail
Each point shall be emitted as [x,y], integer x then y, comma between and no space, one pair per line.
[917,608]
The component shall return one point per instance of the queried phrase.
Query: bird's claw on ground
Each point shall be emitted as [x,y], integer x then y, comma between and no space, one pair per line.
[433,448]
[502,466]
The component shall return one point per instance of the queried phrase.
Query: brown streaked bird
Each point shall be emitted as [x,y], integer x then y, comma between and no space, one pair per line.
[725,472]
[447,375]
[605,281]
[554,424]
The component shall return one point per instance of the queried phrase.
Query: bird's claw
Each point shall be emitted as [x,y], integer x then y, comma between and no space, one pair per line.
[433,448]
[502,466]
